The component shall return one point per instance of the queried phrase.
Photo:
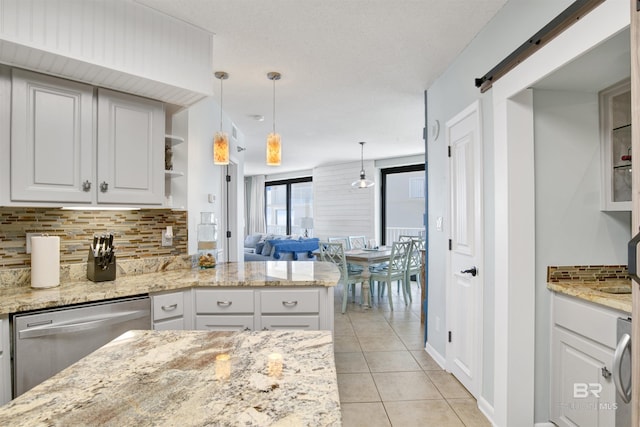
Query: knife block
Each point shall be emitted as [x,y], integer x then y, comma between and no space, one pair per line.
[100,272]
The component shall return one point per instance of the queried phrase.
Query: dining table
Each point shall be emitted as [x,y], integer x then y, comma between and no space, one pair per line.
[367,257]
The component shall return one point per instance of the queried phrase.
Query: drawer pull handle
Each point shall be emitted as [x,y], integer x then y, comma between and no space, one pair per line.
[289,303]
[169,307]
[224,303]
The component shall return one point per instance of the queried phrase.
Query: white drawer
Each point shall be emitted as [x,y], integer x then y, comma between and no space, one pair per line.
[271,323]
[588,319]
[176,324]
[290,301]
[224,323]
[166,306]
[224,301]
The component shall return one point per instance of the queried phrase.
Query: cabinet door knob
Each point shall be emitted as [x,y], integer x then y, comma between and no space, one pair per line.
[86,186]
[104,187]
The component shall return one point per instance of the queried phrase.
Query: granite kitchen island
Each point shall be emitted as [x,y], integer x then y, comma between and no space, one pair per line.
[169,378]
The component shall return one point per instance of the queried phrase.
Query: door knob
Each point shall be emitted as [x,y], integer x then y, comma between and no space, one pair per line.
[473,271]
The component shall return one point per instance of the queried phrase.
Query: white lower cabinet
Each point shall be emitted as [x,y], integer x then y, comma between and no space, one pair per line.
[172,310]
[5,360]
[230,309]
[289,309]
[583,340]
[226,322]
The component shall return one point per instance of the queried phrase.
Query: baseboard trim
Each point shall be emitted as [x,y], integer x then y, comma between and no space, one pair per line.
[486,408]
[441,361]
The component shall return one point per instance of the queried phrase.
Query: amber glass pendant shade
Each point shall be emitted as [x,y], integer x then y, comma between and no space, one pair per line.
[220,149]
[274,150]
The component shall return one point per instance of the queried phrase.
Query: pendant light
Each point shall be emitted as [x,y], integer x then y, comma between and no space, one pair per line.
[274,147]
[363,182]
[221,139]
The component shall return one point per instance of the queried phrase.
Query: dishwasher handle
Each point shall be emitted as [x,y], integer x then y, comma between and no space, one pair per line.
[76,326]
[623,345]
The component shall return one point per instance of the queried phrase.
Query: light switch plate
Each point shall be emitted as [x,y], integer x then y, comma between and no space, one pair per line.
[439,223]
[166,241]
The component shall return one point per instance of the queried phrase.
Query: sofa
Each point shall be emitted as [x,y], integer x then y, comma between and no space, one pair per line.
[269,247]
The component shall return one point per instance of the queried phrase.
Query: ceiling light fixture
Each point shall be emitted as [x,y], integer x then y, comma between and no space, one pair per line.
[221,139]
[363,182]
[274,147]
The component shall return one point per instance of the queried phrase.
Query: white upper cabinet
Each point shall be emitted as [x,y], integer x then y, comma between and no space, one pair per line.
[131,149]
[56,158]
[51,139]
[615,131]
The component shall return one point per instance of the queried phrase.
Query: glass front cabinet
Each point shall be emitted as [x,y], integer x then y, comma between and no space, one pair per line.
[615,133]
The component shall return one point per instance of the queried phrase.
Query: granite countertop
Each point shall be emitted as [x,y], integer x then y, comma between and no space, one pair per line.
[593,291]
[237,274]
[168,378]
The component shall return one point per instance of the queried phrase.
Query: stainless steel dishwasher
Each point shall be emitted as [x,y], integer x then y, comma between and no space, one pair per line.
[47,341]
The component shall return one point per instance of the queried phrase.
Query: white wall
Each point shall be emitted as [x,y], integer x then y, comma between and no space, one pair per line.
[206,178]
[450,94]
[341,210]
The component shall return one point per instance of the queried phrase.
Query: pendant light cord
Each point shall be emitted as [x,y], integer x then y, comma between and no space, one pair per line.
[274,105]
[221,97]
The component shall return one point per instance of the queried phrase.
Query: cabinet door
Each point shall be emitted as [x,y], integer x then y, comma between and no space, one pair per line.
[272,323]
[224,322]
[175,324]
[581,394]
[51,139]
[130,160]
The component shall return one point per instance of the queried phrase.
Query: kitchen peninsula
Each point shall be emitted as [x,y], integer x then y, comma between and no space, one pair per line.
[171,378]
[269,274]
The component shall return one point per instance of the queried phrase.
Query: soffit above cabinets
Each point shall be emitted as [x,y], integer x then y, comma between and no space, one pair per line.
[114,44]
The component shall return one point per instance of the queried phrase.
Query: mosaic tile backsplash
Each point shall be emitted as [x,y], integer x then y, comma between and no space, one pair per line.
[587,273]
[137,234]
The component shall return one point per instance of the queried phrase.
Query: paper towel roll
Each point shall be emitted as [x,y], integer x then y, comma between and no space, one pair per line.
[45,261]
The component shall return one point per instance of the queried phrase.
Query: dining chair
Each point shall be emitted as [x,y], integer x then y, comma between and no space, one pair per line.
[414,263]
[334,252]
[357,242]
[394,271]
[347,246]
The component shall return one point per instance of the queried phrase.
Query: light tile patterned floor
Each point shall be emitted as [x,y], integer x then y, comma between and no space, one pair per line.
[385,378]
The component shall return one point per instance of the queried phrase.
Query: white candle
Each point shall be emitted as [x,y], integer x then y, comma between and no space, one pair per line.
[274,365]
[223,367]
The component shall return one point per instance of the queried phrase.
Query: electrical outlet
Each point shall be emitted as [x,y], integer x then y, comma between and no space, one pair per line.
[28,238]
[166,241]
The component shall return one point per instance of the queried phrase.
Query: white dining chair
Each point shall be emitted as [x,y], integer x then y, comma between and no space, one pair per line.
[414,263]
[357,242]
[395,271]
[334,252]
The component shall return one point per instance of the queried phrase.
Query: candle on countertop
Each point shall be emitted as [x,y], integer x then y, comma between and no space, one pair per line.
[274,365]
[223,367]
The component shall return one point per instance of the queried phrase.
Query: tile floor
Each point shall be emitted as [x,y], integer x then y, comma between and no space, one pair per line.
[385,378]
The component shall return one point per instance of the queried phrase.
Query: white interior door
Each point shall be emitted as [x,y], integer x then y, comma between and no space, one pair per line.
[465,269]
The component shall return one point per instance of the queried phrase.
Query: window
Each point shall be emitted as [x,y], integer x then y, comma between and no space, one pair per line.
[289,206]
[403,202]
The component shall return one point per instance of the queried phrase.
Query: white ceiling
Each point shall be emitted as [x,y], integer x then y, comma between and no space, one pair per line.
[352,70]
